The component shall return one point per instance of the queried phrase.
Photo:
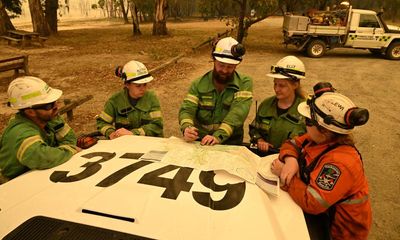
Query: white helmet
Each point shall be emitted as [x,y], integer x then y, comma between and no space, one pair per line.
[288,67]
[332,110]
[345,4]
[135,72]
[25,92]
[228,50]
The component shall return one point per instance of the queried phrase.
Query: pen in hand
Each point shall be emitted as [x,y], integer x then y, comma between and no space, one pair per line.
[191,133]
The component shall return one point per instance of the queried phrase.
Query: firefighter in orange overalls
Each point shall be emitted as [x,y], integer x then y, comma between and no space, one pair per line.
[323,171]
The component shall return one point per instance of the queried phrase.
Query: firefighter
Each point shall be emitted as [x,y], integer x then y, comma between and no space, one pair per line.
[331,183]
[133,110]
[36,137]
[277,117]
[218,102]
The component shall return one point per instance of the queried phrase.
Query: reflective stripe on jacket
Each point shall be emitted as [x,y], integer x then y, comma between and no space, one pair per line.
[276,129]
[144,118]
[219,114]
[25,146]
[338,181]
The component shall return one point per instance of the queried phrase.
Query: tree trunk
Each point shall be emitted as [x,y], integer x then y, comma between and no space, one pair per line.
[38,20]
[160,18]
[242,28]
[135,19]
[5,22]
[124,13]
[51,14]
[110,7]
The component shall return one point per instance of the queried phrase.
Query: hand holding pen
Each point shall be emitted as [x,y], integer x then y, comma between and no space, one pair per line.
[190,134]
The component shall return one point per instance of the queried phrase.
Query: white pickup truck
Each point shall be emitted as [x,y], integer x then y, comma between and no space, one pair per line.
[346,28]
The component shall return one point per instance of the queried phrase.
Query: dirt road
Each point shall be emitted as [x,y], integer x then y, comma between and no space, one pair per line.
[370,81]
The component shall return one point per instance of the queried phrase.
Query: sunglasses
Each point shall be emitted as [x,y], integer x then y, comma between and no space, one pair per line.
[47,106]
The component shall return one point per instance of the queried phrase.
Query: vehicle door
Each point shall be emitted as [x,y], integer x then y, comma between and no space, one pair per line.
[367,32]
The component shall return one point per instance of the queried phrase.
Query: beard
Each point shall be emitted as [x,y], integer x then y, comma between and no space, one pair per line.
[46,117]
[222,78]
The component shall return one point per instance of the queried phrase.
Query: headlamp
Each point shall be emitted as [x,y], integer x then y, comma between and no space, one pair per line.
[287,72]
[328,119]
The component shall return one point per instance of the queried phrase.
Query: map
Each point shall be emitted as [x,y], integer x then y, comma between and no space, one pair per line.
[236,160]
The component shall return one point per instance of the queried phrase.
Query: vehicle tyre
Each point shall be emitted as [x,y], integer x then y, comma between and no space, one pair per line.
[393,51]
[376,52]
[316,48]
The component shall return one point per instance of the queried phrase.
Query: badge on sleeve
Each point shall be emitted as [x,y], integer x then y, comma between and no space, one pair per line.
[328,177]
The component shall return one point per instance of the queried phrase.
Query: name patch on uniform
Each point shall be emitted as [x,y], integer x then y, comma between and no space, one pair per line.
[328,177]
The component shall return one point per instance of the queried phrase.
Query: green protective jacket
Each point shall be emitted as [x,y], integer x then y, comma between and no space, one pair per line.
[276,129]
[219,114]
[144,119]
[25,146]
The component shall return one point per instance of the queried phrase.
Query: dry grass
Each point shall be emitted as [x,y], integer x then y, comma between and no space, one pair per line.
[82,57]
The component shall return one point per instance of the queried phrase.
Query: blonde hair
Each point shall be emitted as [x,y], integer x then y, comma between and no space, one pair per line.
[299,90]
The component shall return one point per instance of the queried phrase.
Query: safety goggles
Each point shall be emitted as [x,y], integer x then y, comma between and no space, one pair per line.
[47,106]
[287,72]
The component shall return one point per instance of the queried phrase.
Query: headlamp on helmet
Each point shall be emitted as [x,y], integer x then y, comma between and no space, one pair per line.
[332,110]
[228,50]
[287,72]
[288,67]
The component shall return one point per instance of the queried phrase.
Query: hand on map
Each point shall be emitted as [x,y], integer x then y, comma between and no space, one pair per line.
[209,140]
[288,170]
[190,134]
[276,167]
[120,132]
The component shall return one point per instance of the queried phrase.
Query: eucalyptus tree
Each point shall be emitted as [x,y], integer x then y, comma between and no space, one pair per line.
[160,18]
[13,7]
[39,22]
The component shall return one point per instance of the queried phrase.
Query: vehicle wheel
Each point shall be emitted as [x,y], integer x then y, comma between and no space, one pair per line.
[376,52]
[316,48]
[393,51]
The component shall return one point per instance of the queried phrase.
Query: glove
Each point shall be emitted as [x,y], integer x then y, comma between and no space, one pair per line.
[86,142]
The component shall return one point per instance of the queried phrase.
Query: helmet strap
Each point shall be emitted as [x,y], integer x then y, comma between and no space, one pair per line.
[287,72]
[226,56]
[328,119]
[138,78]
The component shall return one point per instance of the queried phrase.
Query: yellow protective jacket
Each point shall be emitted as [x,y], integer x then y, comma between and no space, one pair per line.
[142,119]
[25,146]
[219,114]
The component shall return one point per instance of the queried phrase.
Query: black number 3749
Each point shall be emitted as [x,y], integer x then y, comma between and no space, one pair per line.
[173,186]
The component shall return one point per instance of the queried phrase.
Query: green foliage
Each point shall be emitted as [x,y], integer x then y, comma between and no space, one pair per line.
[218,8]
[263,7]
[13,6]
[94,6]
[101,3]
[146,7]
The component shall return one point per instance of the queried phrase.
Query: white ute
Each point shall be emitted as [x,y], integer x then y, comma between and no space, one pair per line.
[347,28]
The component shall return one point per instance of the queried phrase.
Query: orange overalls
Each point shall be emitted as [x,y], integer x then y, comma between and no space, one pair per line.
[336,183]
